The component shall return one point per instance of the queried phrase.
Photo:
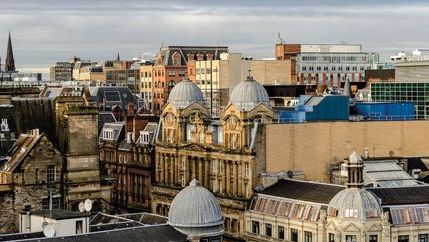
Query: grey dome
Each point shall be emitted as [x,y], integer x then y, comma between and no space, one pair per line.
[249,93]
[354,203]
[185,93]
[195,210]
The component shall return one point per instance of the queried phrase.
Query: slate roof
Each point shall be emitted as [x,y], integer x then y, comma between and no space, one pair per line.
[19,236]
[303,190]
[156,233]
[58,214]
[105,117]
[114,96]
[402,195]
[168,51]
[20,149]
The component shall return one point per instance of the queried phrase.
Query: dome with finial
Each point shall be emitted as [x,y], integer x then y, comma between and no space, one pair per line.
[196,211]
[354,202]
[249,93]
[185,93]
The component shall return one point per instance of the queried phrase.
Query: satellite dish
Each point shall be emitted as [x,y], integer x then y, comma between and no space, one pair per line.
[44,224]
[49,231]
[81,207]
[88,205]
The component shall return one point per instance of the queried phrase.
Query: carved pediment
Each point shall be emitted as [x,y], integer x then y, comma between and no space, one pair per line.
[351,227]
[195,147]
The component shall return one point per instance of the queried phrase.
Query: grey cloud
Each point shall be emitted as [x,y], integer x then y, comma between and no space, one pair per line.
[45,31]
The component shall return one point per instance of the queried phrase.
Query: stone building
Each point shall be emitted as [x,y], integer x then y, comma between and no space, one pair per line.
[34,166]
[293,210]
[224,154]
[127,154]
[77,132]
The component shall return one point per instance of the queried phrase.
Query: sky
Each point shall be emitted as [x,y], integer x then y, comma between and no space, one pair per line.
[46,31]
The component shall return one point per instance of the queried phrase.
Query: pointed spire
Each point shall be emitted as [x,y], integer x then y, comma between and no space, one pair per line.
[10,62]
[118,58]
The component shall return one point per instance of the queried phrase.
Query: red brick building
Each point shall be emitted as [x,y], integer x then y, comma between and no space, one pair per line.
[173,63]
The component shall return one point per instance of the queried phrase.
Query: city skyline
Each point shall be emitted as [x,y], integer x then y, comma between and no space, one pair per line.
[45,33]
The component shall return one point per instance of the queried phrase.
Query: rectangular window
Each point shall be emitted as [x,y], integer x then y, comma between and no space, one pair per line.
[351,238]
[281,232]
[268,230]
[423,237]
[403,238]
[50,173]
[294,235]
[372,238]
[308,236]
[79,227]
[36,175]
[331,237]
[255,227]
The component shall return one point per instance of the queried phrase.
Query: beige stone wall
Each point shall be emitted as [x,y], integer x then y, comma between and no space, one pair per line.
[268,72]
[311,147]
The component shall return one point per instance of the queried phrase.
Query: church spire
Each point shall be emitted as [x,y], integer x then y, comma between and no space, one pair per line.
[10,62]
[118,58]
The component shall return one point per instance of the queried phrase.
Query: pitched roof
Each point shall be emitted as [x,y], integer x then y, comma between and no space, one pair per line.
[20,149]
[303,190]
[168,51]
[159,233]
[402,195]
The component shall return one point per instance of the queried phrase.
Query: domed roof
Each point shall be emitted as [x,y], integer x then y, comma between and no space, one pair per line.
[185,93]
[195,206]
[249,93]
[354,203]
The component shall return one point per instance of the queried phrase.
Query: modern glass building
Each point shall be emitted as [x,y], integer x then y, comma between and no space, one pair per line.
[417,92]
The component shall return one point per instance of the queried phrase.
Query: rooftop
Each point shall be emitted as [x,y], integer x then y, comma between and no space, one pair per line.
[303,190]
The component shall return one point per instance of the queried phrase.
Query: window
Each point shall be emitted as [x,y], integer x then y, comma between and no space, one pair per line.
[255,227]
[36,175]
[50,173]
[79,227]
[281,232]
[304,68]
[182,180]
[403,238]
[294,235]
[308,236]
[423,237]
[268,230]
[331,237]
[372,238]
[246,170]
[351,238]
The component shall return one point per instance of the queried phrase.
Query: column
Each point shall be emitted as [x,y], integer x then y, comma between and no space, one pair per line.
[194,169]
[235,178]
[157,166]
[240,178]
[207,173]
[200,170]
[162,167]
[228,177]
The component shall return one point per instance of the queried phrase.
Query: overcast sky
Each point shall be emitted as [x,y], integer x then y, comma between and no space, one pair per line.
[45,31]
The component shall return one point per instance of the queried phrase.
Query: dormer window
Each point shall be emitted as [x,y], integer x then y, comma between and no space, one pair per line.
[145,137]
[4,127]
[176,59]
[108,134]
